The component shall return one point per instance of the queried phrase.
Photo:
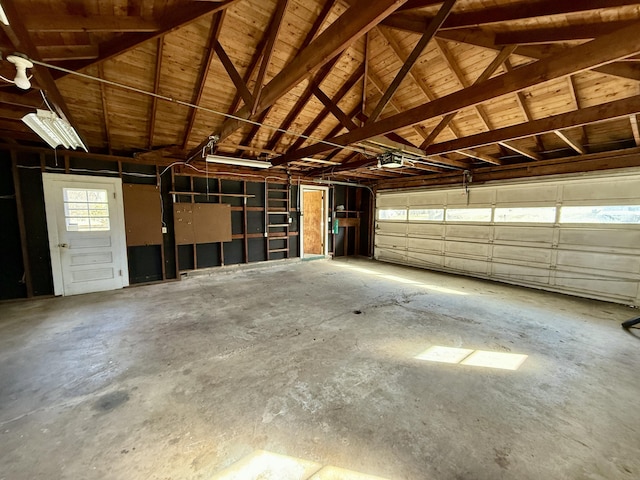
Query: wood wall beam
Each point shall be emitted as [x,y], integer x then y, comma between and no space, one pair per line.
[634,128]
[486,40]
[89,23]
[583,31]
[574,144]
[585,163]
[576,118]
[525,152]
[214,32]
[238,81]
[604,49]
[410,61]
[272,35]
[503,13]
[178,16]
[352,24]
[60,53]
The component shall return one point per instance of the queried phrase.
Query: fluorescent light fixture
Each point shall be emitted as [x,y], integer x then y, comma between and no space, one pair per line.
[3,16]
[53,129]
[239,162]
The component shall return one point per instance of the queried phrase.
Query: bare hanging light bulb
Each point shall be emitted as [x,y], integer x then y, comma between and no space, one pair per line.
[21,80]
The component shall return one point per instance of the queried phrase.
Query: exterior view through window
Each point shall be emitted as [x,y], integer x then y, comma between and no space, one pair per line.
[86,210]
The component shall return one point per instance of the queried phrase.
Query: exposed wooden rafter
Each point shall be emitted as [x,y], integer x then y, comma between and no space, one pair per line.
[156,86]
[602,50]
[352,24]
[426,37]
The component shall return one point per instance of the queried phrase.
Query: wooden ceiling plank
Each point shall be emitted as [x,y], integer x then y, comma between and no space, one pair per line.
[634,128]
[272,36]
[156,86]
[598,113]
[397,50]
[504,13]
[253,131]
[56,53]
[89,23]
[571,142]
[105,109]
[604,49]
[212,43]
[352,24]
[23,43]
[408,64]
[179,15]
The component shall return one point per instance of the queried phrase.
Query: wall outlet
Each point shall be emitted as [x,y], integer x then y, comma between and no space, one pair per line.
[164,229]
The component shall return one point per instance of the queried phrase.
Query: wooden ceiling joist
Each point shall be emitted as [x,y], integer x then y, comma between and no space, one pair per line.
[597,113]
[575,145]
[634,129]
[89,23]
[180,15]
[600,51]
[503,13]
[156,86]
[582,31]
[352,24]
[419,47]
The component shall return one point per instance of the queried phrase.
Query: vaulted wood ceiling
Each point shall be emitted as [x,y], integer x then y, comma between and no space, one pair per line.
[322,87]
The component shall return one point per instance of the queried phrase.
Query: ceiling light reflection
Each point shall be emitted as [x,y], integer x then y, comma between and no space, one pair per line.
[473,358]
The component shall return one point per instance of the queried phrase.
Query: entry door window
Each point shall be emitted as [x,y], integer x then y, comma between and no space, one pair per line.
[86,210]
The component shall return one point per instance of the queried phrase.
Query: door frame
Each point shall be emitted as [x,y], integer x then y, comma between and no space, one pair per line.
[116,217]
[325,216]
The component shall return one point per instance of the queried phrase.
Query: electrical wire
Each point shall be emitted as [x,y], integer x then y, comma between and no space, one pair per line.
[198,107]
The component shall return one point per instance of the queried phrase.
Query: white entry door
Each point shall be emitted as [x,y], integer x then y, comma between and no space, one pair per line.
[85,221]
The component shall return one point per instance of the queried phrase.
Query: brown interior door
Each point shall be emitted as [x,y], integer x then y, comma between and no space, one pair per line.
[312,223]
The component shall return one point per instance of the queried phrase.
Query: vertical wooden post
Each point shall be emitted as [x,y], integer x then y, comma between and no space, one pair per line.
[162,257]
[245,228]
[21,225]
[221,243]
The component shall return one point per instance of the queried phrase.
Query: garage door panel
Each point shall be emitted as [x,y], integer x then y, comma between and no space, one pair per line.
[478,197]
[426,199]
[425,259]
[472,232]
[392,228]
[606,238]
[390,255]
[467,249]
[392,200]
[610,287]
[522,254]
[391,241]
[592,259]
[424,244]
[466,265]
[602,190]
[530,195]
[524,234]
[426,229]
[519,273]
[599,261]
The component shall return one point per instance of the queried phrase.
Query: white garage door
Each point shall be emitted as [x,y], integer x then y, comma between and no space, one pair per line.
[575,235]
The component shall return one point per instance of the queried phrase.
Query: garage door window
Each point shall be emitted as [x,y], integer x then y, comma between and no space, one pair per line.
[525,215]
[600,214]
[392,214]
[468,215]
[427,214]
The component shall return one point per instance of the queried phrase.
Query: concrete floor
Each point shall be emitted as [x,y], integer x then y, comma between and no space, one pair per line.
[184,380]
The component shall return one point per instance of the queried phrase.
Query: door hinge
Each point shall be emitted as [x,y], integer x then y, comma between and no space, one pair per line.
[120,272]
[114,194]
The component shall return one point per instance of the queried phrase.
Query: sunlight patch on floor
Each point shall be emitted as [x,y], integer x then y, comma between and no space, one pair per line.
[474,358]
[263,465]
